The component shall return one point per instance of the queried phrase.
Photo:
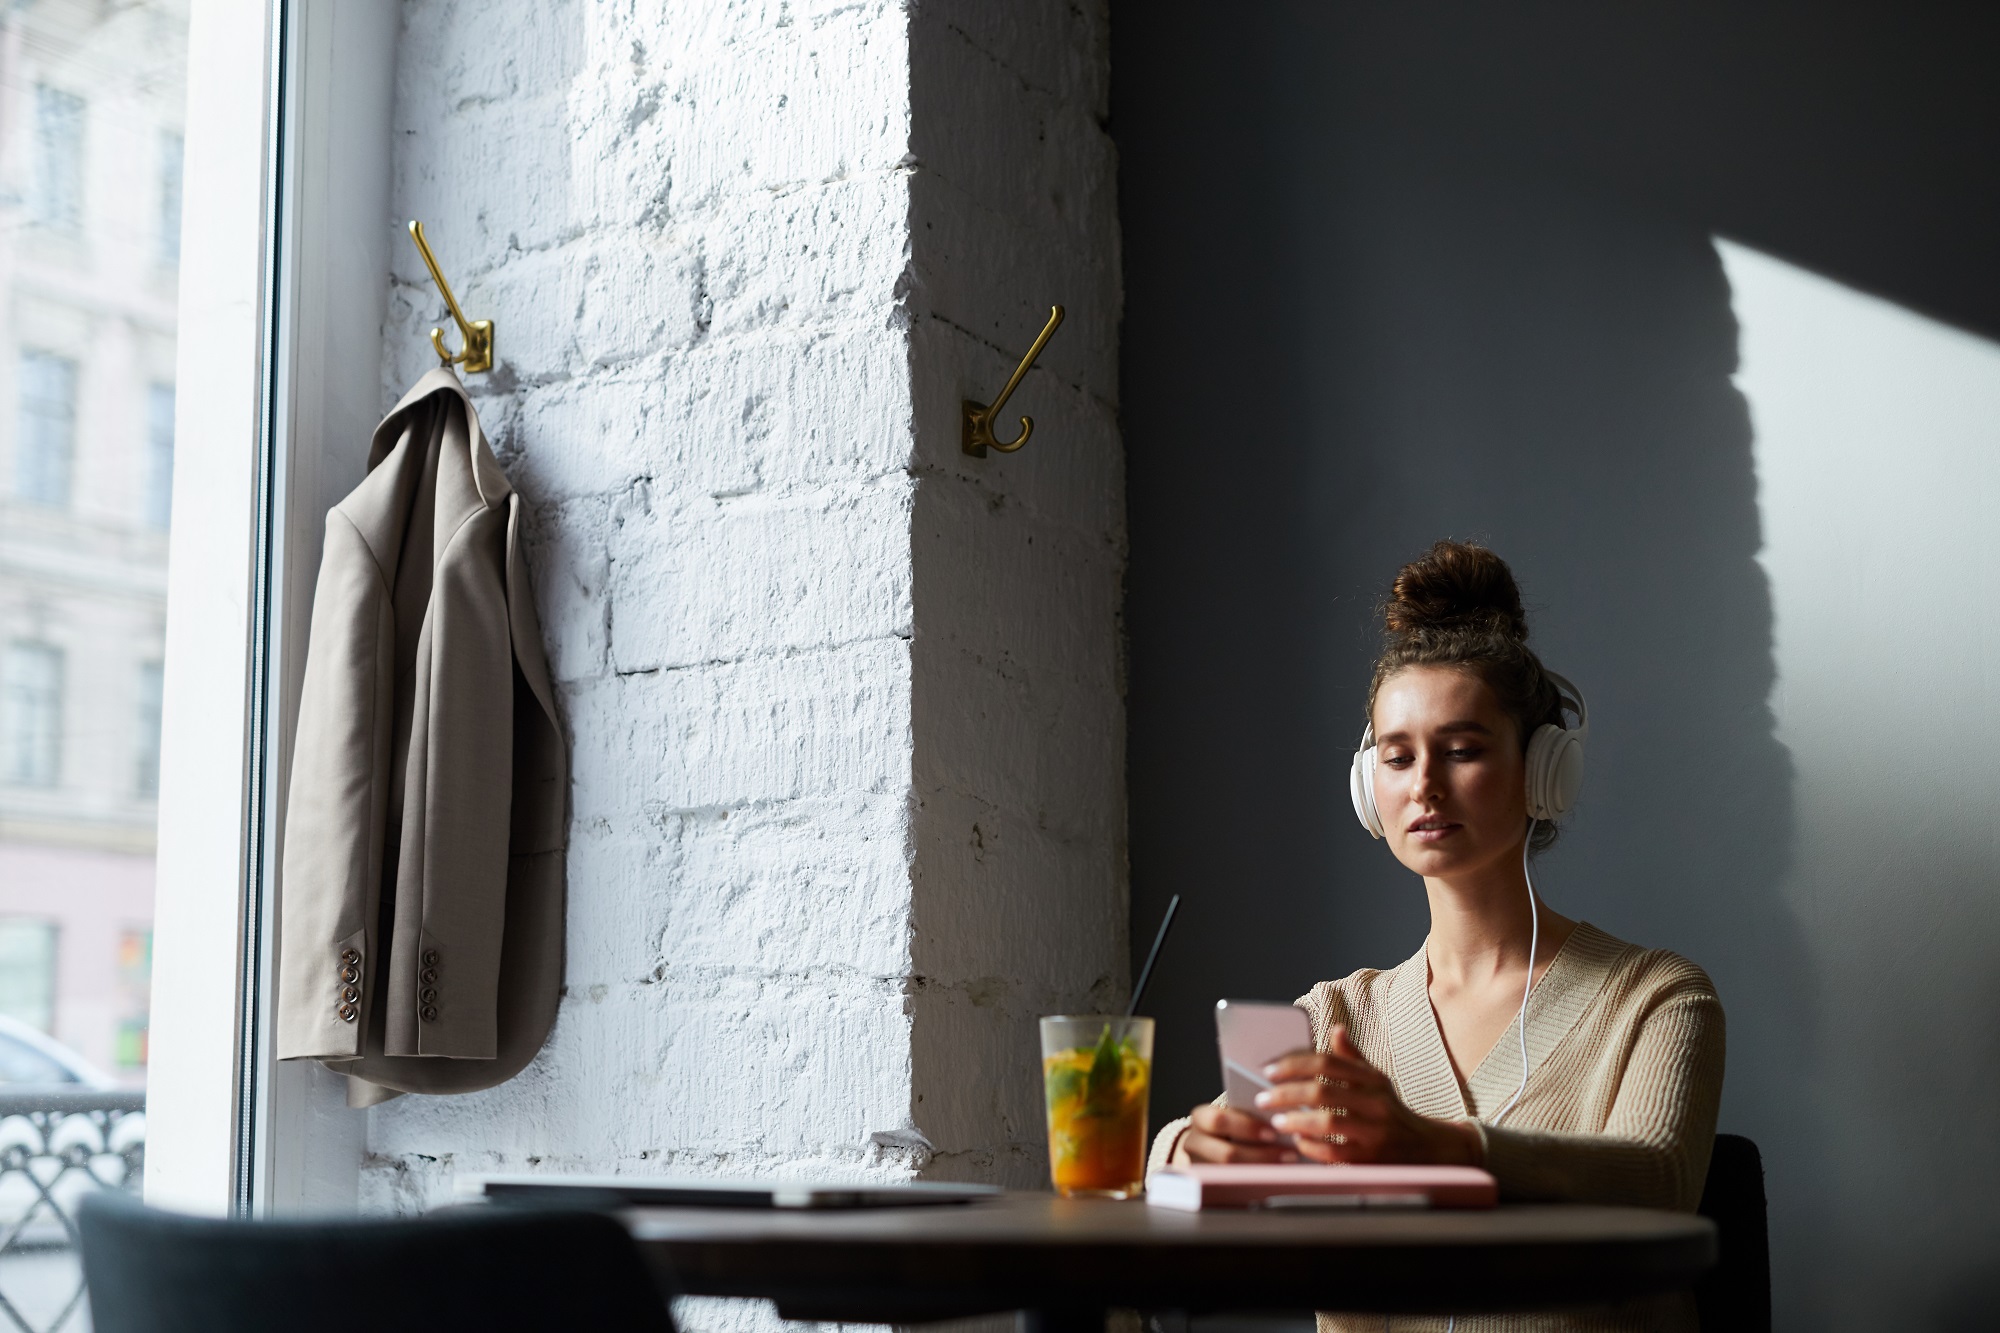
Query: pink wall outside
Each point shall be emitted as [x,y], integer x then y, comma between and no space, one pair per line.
[93,896]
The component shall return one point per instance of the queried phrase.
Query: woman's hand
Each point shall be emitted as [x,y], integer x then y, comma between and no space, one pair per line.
[1339,1108]
[1222,1135]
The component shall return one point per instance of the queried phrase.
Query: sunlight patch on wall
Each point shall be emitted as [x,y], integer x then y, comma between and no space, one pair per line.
[1877,448]
[1878,463]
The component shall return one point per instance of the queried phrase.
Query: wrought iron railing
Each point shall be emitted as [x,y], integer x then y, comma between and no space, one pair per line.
[56,1147]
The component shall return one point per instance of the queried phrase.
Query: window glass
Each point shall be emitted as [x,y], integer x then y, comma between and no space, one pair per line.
[58,189]
[45,444]
[88,302]
[92,113]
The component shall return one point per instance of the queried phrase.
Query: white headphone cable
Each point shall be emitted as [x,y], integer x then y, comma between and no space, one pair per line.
[1534,945]
[1521,1020]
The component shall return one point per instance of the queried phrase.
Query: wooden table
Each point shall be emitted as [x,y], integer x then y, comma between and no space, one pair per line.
[1067,1261]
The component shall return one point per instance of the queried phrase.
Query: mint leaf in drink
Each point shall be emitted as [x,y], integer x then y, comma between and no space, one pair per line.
[1107,1064]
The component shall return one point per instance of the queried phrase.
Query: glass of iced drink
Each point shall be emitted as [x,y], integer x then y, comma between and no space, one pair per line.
[1096,1075]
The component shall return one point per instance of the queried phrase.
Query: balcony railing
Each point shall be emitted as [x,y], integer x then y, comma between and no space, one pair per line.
[56,1147]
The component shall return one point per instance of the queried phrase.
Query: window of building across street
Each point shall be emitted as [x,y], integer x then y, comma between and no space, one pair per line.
[59,164]
[45,446]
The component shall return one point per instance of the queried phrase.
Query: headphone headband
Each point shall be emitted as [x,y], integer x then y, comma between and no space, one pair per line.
[1568,694]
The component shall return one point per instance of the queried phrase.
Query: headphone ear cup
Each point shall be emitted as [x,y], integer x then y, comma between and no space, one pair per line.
[1566,775]
[1361,790]
[1555,771]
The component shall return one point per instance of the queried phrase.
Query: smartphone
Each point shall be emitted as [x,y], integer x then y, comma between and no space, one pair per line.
[1250,1034]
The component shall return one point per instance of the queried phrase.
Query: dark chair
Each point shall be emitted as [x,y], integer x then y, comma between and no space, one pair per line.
[498,1271]
[1735,1295]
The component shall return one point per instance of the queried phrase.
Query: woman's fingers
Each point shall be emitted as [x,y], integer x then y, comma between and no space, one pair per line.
[1323,1091]
[1321,1064]
[1292,1096]
[1328,1151]
[1205,1147]
[1319,1122]
[1227,1123]
[1333,1140]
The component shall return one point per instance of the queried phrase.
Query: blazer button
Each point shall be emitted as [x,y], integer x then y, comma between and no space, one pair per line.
[430,958]
[350,974]
[430,1013]
[429,995]
[429,977]
[349,994]
[349,956]
[347,1013]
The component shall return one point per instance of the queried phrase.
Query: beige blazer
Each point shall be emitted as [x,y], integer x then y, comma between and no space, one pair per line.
[421,910]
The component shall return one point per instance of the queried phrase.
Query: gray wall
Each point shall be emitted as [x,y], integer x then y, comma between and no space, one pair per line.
[1362,315]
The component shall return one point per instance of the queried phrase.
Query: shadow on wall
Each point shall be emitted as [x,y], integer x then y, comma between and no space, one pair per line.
[1459,351]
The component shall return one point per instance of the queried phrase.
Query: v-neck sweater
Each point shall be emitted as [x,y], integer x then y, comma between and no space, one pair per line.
[1625,1061]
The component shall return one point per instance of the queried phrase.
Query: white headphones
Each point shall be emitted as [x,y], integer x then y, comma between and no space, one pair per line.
[1555,764]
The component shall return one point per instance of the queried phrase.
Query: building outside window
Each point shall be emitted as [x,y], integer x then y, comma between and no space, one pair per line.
[159,454]
[58,180]
[86,468]
[31,690]
[171,153]
[45,443]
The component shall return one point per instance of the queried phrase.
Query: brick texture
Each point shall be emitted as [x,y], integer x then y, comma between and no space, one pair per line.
[845,705]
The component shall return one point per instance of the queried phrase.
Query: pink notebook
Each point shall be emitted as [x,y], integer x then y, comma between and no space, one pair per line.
[1193,1188]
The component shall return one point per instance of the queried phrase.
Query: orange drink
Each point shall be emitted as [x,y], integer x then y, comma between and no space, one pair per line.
[1096,1076]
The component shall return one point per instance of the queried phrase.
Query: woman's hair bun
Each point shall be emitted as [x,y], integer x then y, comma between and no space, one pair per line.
[1455,586]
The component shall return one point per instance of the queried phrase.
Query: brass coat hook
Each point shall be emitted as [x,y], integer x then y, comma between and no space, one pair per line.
[976,437]
[476,335]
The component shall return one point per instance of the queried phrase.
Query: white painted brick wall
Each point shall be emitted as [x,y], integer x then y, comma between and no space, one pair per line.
[846,706]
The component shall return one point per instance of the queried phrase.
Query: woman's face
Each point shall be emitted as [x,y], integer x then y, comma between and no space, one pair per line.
[1450,779]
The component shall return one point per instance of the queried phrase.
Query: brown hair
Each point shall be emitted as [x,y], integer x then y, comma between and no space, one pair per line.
[1457,606]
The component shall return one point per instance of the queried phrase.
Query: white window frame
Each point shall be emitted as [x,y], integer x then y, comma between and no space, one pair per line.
[284,287]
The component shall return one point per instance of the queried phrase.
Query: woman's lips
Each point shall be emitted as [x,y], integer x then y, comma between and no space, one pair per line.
[1433,830]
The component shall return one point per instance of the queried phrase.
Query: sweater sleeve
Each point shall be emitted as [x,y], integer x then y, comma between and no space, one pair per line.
[1167,1145]
[1655,1145]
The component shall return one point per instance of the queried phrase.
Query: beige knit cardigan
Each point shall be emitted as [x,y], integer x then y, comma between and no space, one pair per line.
[1625,1056]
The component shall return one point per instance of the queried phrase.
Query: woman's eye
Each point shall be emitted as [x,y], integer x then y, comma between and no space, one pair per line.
[1466,754]
[1398,761]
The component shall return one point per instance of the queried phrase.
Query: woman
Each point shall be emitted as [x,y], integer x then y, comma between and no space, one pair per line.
[1608,1092]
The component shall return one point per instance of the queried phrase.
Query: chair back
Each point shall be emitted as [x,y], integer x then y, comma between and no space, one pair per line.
[494,1271]
[1735,1295]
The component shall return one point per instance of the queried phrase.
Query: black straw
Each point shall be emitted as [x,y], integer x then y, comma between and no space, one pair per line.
[1146,972]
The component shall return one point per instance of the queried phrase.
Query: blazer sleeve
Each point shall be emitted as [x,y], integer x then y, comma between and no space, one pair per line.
[332,863]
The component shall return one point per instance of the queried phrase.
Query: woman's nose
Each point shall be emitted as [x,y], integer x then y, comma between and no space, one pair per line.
[1427,787]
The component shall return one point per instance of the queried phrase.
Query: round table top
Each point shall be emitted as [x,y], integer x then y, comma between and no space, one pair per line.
[1040,1252]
